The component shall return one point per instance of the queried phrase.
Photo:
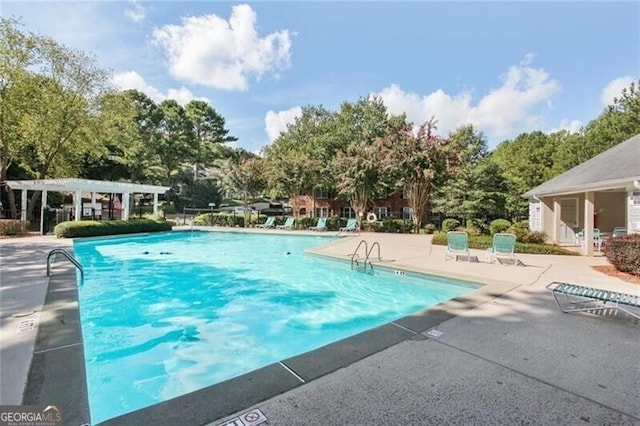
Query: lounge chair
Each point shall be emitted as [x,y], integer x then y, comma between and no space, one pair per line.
[457,243]
[504,245]
[597,240]
[320,226]
[619,231]
[270,223]
[288,224]
[352,226]
[593,299]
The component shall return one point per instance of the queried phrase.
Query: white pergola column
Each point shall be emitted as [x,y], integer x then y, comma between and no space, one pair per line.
[23,205]
[42,211]
[77,205]
[587,248]
[125,206]
[155,205]
[556,219]
[93,206]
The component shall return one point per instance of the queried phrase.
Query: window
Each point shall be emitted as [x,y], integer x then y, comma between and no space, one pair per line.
[407,213]
[347,212]
[303,211]
[321,194]
[381,212]
[321,212]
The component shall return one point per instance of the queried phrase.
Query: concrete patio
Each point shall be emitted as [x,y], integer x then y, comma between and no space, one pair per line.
[512,358]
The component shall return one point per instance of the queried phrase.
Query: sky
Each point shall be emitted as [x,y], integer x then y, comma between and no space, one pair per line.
[505,67]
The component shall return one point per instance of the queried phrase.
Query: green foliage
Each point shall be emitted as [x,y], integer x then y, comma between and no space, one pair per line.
[12,227]
[430,228]
[450,224]
[526,236]
[195,193]
[476,227]
[89,228]
[499,225]
[483,242]
[624,253]
[223,219]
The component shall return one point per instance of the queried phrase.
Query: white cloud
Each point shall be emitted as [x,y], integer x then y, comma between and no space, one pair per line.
[222,54]
[133,80]
[276,122]
[613,89]
[499,113]
[573,126]
[136,12]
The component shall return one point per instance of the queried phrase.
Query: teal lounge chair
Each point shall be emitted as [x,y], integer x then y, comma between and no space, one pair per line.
[504,245]
[288,224]
[320,226]
[584,298]
[619,231]
[597,240]
[457,243]
[270,223]
[352,226]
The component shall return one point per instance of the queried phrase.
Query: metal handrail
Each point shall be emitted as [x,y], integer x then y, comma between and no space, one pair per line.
[69,257]
[355,252]
[375,243]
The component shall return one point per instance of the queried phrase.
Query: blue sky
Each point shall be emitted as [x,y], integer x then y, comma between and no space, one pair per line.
[506,67]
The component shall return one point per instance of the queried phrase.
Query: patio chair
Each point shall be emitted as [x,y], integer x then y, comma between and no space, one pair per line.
[320,226]
[352,226]
[584,298]
[504,245]
[288,224]
[269,223]
[597,239]
[457,243]
[619,231]
[579,234]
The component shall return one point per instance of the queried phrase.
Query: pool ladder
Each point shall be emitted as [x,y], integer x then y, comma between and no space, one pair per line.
[366,265]
[71,259]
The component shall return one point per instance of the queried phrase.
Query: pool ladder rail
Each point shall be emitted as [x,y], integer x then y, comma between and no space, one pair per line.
[366,266]
[69,257]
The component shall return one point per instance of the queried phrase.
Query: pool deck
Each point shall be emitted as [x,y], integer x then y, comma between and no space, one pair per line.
[504,354]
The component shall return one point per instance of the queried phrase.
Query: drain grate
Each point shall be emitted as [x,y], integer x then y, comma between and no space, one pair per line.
[250,418]
[26,325]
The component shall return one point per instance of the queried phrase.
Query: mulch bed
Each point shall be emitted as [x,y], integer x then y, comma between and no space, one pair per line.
[613,272]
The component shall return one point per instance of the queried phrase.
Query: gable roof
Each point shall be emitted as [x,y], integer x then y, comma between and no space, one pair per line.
[614,168]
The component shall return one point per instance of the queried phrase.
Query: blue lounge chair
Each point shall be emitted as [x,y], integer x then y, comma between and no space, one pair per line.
[288,224]
[320,226]
[457,243]
[593,299]
[619,231]
[352,226]
[270,223]
[504,245]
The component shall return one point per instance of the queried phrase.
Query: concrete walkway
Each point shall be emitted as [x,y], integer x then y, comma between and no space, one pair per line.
[513,360]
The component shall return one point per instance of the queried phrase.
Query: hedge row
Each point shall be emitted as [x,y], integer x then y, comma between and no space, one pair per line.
[90,228]
[11,227]
[483,242]
[624,253]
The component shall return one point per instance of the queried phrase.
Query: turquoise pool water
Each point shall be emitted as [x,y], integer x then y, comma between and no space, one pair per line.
[168,314]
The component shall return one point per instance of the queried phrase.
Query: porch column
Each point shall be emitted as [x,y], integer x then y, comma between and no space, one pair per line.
[587,248]
[42,211]
[556,219]
[125,206]
[155,205]
[23,205]
[77,205]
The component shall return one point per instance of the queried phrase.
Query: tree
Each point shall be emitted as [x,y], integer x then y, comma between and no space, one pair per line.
[360,127]
[208,131]
[175,144]
[418,161]
[467,194]
[243,175]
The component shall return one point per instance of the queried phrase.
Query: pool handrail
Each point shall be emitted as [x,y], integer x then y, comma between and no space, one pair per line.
[69,257]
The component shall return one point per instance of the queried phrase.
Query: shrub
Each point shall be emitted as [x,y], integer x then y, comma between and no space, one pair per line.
[476,227]
[12,227]
[483,242]
[499,225]
[526,236]
[430,228]
[450,224]
[90,228]
[624,253]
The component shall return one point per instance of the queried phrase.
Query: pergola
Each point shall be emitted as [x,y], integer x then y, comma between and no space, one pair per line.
[77,187]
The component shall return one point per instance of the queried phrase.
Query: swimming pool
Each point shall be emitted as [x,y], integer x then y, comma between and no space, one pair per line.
[167,314]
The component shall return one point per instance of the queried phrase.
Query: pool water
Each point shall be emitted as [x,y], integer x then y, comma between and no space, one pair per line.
[167,314]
